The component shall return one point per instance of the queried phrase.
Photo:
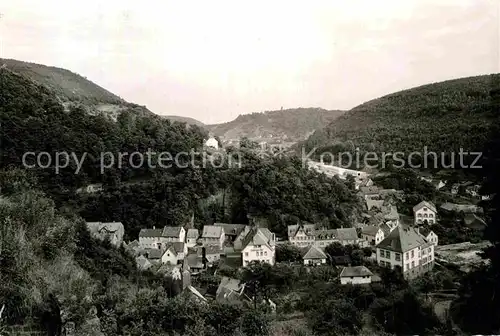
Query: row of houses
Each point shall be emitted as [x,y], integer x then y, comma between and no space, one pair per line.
[303,235]
[173,244]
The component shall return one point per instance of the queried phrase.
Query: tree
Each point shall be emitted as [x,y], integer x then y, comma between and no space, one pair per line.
[335,249]
[335,317]
[258,279]
[255,323]
[288,252]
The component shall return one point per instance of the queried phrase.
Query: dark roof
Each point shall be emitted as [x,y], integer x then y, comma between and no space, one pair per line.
[341,260]
[172,231]
[355,271]
[386,229]
[325,234]
[293,229]
[177,246]
[154,253]
[194,261]
[402,240]
[150,233]
[370,230]
[424,231]
[461,207]
[210,249]
[231,229]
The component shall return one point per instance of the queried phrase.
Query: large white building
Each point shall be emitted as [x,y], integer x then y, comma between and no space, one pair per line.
[259,245]
[425,212]
[406,248]
[303,235]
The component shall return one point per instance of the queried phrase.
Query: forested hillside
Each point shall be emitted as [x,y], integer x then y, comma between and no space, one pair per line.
[443,116]
[68,86]
[287,125]
[33,120]
[187,120]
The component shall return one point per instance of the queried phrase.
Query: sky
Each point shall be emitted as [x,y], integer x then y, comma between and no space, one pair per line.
[214,60]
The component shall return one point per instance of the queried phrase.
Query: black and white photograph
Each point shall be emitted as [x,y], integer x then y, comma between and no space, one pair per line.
[249,168]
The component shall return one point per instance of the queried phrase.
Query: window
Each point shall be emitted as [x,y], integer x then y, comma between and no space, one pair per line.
[265,253]
[246,254]
[406,255]
[388,254]
[425,209]
[412,264]
[419,215]
[412,254]
[406,267]
[398,257]
[431,215]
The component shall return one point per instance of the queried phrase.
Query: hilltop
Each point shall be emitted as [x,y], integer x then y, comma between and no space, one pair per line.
[290,125]
[443,116]
[187,120]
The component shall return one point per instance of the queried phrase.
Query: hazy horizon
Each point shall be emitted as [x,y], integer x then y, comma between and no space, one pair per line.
[214,61]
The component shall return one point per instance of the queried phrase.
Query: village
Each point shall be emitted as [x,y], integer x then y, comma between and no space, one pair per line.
[387,238]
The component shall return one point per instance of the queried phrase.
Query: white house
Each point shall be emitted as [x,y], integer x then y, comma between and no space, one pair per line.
[355,275]
[213,235]
[150,238]
[314,256]
[212,143]
[173,234]
[372,234]
[212,253]
[192,237]
[428,234]
[406,248]
[173,253]
[301,235]
[259,245]
[425,212]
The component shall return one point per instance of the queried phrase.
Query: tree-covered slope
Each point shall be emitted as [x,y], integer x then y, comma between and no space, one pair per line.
[187,120]
[442,116]
[287,125]
[68,86]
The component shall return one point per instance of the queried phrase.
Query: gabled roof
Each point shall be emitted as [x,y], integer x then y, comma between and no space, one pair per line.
[170,249]
[424,231]
[355,271]
[154,253]
[172,231]
[133,245]
[402,240]
[325,234]
[258,236]
[386,229]
[294,229]
[347,234]
[391,213]
[194,261]
[424,204]
[150,233]
[210,249]
[314,253]
[231,229]
[212,231]
[178,247]
[231,283]
[192,233]
[370,230]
